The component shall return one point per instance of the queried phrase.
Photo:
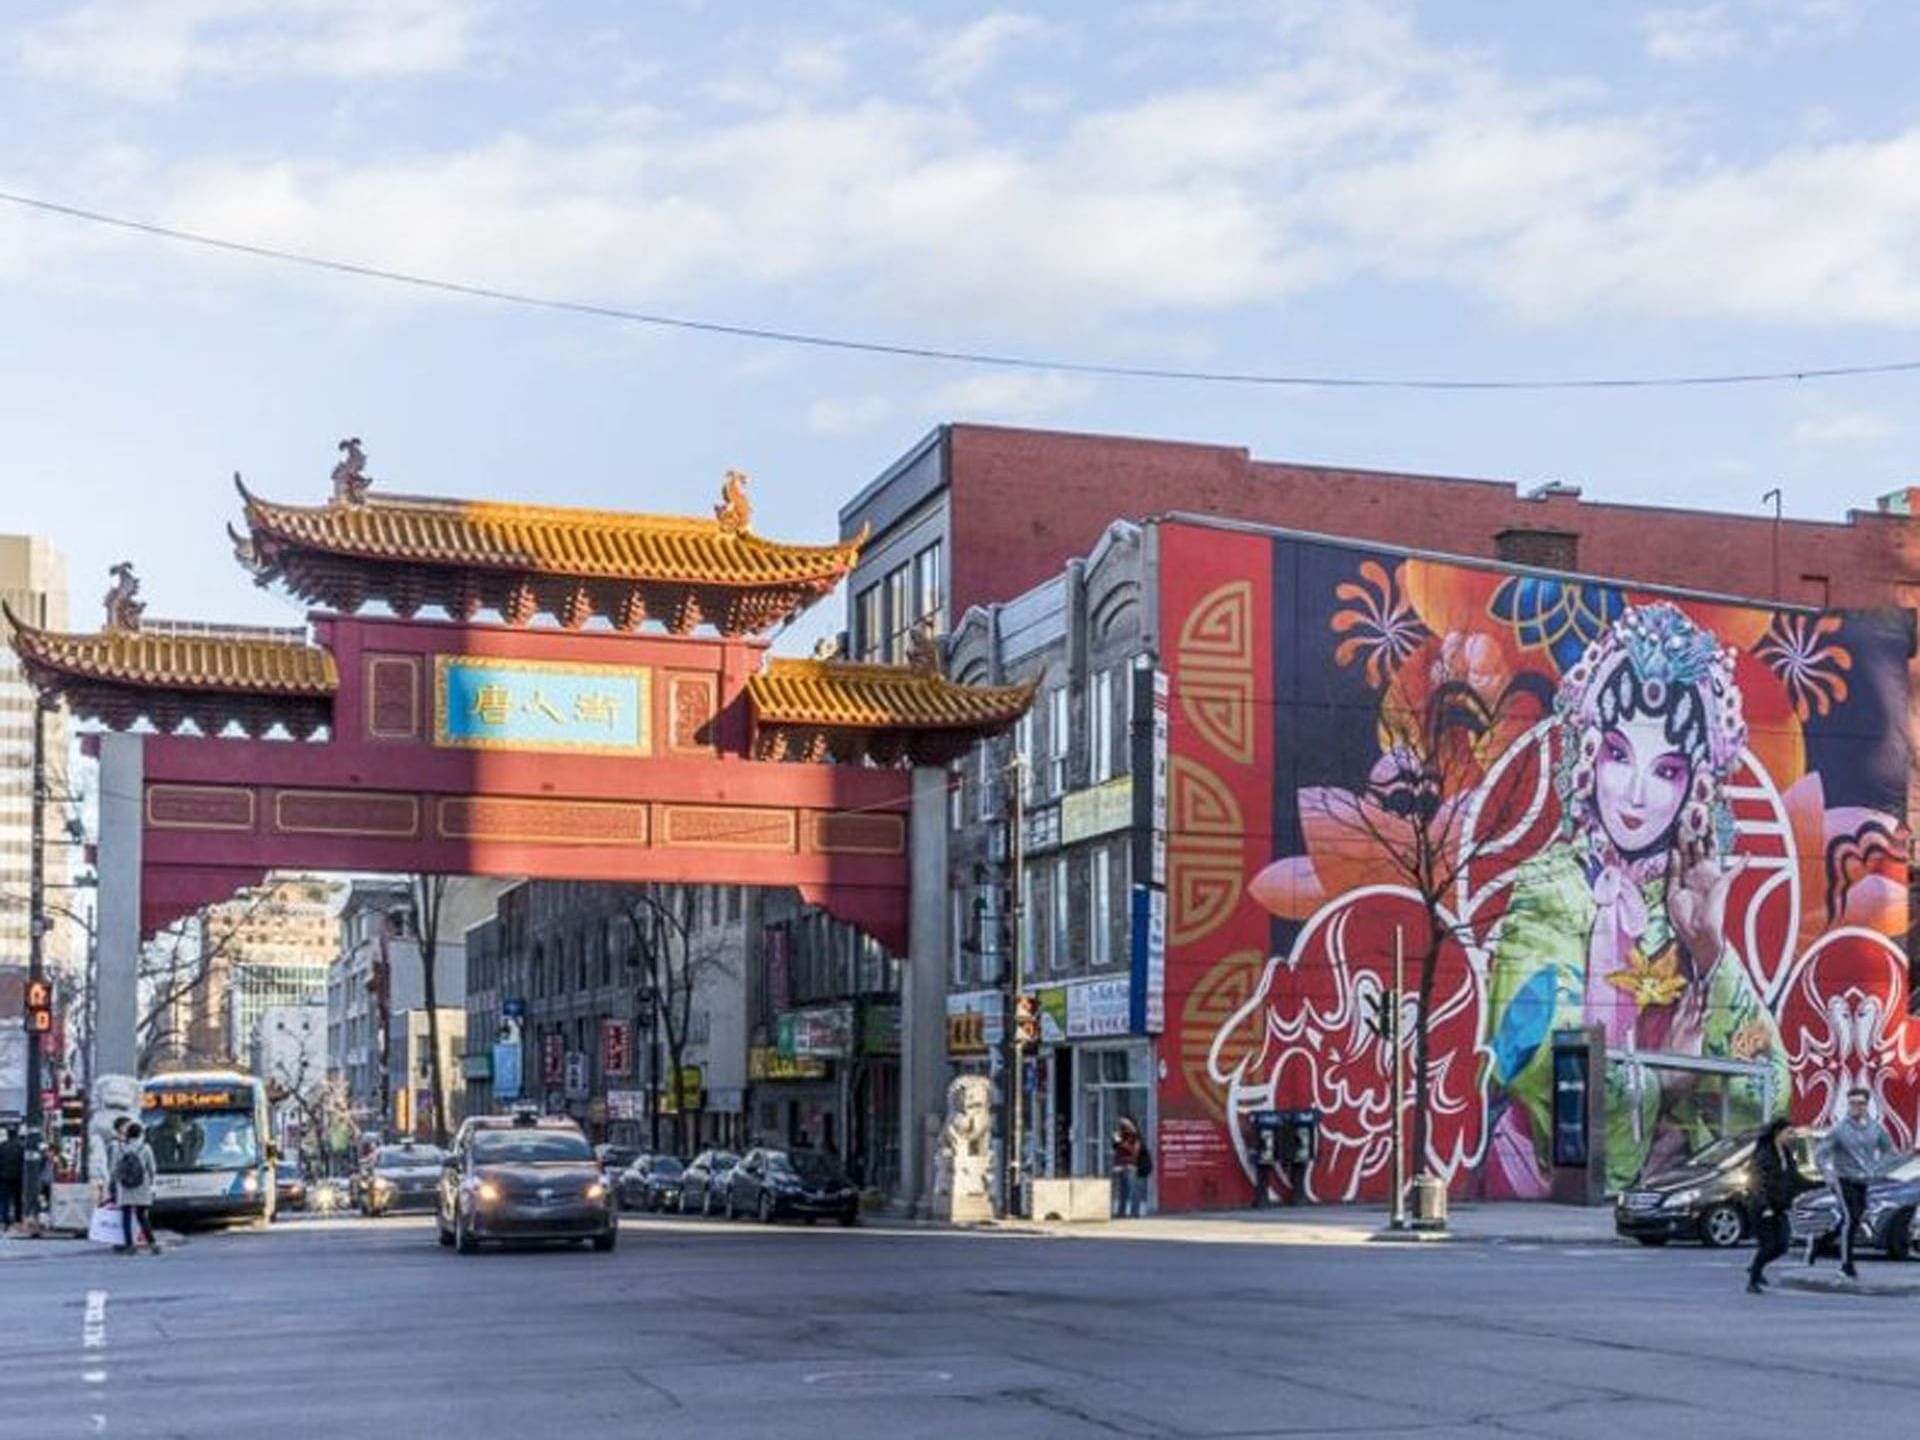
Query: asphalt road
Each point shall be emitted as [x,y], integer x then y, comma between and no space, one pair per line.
[368,1329]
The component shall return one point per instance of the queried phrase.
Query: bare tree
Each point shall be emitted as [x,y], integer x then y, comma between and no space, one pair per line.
[1433,806]
[175,968]
[429,899]
[676,963]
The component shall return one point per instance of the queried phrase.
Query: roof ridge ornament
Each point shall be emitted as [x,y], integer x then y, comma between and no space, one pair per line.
[734,512]
[123,608]
[923,651]
[350,478]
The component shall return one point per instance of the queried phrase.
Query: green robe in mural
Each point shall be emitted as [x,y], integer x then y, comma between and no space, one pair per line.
[1538,984]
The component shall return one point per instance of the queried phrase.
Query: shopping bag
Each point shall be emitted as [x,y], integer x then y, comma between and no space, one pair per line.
[106,1228]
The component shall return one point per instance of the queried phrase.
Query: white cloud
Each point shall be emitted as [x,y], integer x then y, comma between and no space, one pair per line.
[147,49]
[1849,427]
[962,56]
[829,416]
[1687,37]
[1011,394]
[1699,34]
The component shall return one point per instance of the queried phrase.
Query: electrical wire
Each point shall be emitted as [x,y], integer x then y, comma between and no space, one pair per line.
[944,355]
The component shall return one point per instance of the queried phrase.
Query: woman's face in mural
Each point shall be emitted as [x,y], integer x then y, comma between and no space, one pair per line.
[1639,784]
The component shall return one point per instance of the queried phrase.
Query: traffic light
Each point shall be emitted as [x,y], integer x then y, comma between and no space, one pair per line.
[1026,1019]
[1383,1014]
[39,1006]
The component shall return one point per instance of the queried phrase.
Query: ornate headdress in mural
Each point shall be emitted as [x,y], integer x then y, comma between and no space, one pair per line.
[1654,662]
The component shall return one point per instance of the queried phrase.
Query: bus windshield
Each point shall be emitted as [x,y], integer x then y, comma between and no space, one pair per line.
[185,1141]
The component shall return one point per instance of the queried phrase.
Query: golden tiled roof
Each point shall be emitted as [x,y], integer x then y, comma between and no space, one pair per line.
[839,694]
[197,658]
[547,539]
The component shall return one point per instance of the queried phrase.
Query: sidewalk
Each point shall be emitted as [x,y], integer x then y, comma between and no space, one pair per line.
[1499,1223]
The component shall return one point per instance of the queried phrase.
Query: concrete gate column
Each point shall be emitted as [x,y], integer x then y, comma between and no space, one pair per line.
[117,977]
[923,987]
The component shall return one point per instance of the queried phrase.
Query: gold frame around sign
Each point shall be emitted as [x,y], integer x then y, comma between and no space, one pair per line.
[444,741]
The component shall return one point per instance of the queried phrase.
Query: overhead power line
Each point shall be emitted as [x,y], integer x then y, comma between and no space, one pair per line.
[940,354]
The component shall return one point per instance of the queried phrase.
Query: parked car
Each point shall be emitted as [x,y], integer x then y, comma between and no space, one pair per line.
[525,1178]
[616,1158]
[803,1184]
[1887,1225]
[402,1177]
[289,1186]
[701,1181]
[648,1181]
[1709,1197]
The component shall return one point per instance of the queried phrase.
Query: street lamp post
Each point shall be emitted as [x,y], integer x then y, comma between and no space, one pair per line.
[37,899]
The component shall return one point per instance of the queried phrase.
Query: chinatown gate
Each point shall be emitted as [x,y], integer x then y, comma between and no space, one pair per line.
[619,720]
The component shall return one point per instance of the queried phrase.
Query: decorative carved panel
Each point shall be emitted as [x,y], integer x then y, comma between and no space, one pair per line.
[542,822]
[346,812]
[692,701]
[724,827]
[201,807]
[842,834]
[393,697]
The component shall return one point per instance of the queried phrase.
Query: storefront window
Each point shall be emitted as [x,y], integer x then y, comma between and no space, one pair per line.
[1100,909]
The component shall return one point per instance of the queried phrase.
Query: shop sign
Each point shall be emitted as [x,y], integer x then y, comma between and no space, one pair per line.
[1097,1008]
[1043,830]
[597,1110]
[553,1058]
[764,1062]
[616,1048]
[975,1022]
[476,1067]
[1157,811]
[1100,811]
[1149,916]
[826,1032]
[576,1074]
[880,1030]
[1052,1003]
[483,703]
[626,1104]
[685,1095]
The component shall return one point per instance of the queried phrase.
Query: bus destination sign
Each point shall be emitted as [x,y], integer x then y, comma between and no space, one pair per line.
[197,1099]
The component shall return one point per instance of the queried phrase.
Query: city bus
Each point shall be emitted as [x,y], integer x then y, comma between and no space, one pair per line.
[210,1137]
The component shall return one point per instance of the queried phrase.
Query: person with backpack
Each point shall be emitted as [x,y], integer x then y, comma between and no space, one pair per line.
[133,1171]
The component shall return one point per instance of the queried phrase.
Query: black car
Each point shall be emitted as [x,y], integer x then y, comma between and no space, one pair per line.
[702,1183]
[1887,1225]
[289,1187]
[525,1179]
[804,1184]
[1710,1197]
[649,1183]
[616,1158]
[400,1178]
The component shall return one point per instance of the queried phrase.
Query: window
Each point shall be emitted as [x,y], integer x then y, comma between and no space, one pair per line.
[736,904]
[900,615]
[983,782]
[868,628]
[1100,728]
[1023,747]
[963,907]
[1100,909]
[956,795]
[1059,739]
[929,587]
[1029,921]
[1060,944]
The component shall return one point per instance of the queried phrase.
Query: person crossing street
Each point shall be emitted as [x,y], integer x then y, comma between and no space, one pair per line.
[1776,1182]
[1854,1154]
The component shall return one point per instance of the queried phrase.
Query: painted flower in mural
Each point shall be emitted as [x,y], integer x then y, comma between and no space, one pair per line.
[1811,665]
[1378,624]
[1562,617]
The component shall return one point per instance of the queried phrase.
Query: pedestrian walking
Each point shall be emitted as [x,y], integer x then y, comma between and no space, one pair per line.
[1776,1182]
[13,1170]
[1128,1148]
[133,1171]
[1854,1154]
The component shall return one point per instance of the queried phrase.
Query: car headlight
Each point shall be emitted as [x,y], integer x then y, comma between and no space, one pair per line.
[1681,1200]
[597,1190]
[487,1192]
[251,1183]
[382,1183]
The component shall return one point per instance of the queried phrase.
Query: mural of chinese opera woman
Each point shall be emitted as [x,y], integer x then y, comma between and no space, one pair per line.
[1654,843]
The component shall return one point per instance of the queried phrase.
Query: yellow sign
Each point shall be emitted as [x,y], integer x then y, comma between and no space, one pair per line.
[766,1063]
[197,1099]
[1099,811]
[689,1094]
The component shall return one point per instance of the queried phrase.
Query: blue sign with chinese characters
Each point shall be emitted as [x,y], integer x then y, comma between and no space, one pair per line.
[489,704]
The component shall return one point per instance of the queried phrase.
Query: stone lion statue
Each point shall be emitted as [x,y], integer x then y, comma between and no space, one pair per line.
[963,1182]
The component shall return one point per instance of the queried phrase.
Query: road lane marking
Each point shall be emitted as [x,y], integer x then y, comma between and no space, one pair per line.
[93,1337]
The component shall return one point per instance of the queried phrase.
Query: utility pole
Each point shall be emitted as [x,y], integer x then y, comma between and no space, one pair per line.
[1016,1079]
[1399,1219]
[37,898]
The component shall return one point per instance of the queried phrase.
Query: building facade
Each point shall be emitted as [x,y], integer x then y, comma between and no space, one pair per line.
[33,584]
[270,945]
[1506,786]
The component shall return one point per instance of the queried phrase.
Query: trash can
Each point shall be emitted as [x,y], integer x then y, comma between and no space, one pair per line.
[1429,1203]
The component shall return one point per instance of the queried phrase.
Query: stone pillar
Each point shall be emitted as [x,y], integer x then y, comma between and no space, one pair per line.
[923,987]
[117,980]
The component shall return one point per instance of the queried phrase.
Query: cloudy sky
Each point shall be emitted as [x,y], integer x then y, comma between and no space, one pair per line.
[1463,189]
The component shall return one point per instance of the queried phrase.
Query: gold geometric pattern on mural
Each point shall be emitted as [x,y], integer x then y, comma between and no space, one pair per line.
[1210,1004]
[1203,890]
[691,702]
[346,812]
[541,822]
[1218,632]
[1219,704]
[393,697]
[843,834]
[1202,803]
[728,827]
[200,807]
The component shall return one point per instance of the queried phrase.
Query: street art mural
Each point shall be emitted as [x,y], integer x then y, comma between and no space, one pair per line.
[1677,819]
